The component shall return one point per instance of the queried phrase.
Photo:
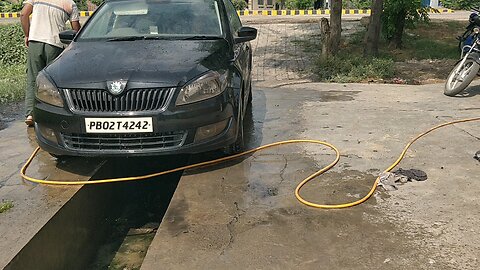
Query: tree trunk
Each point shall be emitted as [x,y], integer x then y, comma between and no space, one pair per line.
[372,37]
[336,25]
[325,38]
[399,27]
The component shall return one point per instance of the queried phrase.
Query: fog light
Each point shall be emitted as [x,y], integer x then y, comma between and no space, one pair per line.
[209,131]
[47,133]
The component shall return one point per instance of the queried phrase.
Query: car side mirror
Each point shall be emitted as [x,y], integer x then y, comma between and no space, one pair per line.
[246,34]
[67,36]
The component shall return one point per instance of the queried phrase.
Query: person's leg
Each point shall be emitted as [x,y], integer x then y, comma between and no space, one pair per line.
[51,52]
[35,63]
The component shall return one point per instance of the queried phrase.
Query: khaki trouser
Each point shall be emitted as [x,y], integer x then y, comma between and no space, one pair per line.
[39,56]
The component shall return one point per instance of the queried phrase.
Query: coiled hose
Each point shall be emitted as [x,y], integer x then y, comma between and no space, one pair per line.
[212,162]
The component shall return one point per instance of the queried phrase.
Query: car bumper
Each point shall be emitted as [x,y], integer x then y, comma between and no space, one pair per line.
[175,131]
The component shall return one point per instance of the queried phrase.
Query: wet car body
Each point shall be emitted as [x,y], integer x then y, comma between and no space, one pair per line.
[142,94]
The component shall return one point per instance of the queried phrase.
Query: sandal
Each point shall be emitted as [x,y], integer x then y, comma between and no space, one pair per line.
[29,121]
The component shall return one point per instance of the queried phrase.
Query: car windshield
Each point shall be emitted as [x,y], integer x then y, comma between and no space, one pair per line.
[155,19]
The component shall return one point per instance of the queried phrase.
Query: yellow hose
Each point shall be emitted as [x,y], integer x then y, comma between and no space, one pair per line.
[208,163]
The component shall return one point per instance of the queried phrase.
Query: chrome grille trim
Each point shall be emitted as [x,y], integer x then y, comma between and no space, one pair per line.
[124,142]
[132,100]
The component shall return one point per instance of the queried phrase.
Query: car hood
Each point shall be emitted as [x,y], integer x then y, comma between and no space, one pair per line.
[162,63]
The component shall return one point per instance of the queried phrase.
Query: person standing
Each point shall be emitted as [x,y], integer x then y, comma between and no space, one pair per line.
[49,18]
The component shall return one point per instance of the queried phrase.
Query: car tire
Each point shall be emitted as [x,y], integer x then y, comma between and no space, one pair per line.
[239,144]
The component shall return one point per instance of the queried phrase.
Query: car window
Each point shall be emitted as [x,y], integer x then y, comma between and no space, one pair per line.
[233,18]
[155,18]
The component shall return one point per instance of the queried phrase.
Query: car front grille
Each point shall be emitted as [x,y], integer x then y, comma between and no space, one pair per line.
[124,142]
[99,101]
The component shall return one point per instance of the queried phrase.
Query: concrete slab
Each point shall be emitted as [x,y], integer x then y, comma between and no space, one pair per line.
[245,216]
[34,205]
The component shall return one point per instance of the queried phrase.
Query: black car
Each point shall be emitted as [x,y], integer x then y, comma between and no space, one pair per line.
[148,77]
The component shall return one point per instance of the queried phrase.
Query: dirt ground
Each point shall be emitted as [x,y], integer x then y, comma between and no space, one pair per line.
[419,72]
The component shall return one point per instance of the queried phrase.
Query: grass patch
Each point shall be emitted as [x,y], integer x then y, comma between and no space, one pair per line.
[5,206]
[12,83]
[345,68]
[434,40]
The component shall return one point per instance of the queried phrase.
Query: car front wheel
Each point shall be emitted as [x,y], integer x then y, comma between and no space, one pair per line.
[239,144]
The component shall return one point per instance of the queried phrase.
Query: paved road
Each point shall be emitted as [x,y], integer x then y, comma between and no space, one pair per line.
[280,54]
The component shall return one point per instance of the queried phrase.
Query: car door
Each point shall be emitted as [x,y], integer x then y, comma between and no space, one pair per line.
[242,54]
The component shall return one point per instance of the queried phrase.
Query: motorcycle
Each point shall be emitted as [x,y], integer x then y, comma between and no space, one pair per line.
[468,67]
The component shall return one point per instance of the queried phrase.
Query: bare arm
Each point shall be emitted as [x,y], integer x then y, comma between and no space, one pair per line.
[75,25]
[25,20]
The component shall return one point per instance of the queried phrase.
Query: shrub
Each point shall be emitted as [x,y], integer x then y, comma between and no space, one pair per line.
[357,4]
[239,4]
[81,4]
[12,45]
[10,7]
[12,83]
[348,68]
[299,4]
[460,4]
[400,14]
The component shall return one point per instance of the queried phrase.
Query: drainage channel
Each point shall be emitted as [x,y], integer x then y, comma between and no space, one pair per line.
[108,226]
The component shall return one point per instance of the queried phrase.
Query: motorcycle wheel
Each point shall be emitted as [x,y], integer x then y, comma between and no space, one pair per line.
[457,81]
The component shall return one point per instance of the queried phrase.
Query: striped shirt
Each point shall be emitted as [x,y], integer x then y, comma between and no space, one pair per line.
[49,18]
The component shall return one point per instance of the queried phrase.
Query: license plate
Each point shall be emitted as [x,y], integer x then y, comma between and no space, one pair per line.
[119,125]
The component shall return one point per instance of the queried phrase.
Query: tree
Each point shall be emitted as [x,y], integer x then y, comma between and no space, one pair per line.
[372,37]
[325,38]
[335,26]
[397,15]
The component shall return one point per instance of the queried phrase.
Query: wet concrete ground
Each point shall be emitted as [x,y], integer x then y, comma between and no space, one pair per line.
[245,216]
[33,205]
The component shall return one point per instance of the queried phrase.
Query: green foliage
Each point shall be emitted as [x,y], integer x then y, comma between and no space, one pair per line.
[12,82]
[97,2]
[299,4]
[6,6]
[345,68]
[239,4]
[461,4]
[357,4]
[12,63]
[396,10]
[81,4]
[12,45]
[5,206]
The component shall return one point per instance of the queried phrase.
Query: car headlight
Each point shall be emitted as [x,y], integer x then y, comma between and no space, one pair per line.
[207,86]
[47,92]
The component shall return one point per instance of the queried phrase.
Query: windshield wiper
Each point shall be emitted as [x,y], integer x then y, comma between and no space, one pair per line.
[138,38]
[127,38]
[202,38]
[132,38]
